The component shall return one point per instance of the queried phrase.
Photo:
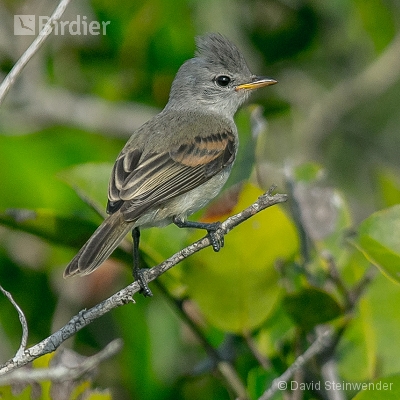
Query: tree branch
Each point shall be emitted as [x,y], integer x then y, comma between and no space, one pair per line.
[124,296]
[48,105]
[62,372]
[252,345]
[322,342]
[32,49]
[225,368]
[371,82]
[22,318]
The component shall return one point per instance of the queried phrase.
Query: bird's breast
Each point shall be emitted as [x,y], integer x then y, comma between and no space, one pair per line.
[185,204]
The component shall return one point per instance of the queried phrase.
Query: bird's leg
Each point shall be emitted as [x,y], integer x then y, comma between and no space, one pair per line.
[138,273]
[217,240]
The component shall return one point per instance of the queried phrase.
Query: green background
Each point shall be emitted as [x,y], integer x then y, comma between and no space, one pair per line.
[327,134]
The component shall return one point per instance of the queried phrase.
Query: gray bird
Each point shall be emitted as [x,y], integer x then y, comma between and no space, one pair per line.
[178,160]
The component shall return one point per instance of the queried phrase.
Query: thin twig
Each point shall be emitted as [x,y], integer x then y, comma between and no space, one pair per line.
[321,343]
[337,280]
[252,345]
[358,290]
[329,373]
[225,368]
[32,49]
[295,211]
[371,82]
[23,321]
[233,380]
[124,296]
[178,306]
[54,105]
[61,373]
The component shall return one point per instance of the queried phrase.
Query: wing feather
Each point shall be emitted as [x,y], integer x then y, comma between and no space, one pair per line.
[140,182]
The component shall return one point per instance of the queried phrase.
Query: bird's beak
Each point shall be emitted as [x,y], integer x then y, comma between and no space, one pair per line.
[257,82]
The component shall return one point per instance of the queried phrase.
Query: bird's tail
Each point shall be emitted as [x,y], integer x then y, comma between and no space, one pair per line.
[100,245]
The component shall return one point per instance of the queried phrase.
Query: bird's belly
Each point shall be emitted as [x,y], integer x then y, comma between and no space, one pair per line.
[185,204]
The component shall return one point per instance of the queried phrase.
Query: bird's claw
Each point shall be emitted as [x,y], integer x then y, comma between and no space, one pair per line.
[140,277]
[216,238]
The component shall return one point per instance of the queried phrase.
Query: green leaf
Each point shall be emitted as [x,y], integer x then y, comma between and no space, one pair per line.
[30,163]
[70,230]
[238,287]
[90,181]
[311,307]
[367,345]
[43,361]
[379,240]
[357,351]
[136,370]
[389,185]
[387,388]
[275,331]
[378,21]
[258,379]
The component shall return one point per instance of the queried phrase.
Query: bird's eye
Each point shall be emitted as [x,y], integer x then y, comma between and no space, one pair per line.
[223,80]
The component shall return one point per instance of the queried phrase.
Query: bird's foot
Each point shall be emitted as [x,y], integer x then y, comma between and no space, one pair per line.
[213,228]
[216,237]
[140,276]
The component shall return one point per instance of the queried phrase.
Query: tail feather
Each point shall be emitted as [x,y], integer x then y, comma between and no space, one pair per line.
[100,245]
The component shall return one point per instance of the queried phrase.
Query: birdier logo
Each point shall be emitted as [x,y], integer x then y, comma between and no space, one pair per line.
[26,25]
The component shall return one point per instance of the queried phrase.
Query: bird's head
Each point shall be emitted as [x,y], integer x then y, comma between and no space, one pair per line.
[216,79]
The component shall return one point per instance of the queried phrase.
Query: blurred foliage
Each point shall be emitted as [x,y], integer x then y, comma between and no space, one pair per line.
[253,271]
[379,243]
[61,390]
[328,134]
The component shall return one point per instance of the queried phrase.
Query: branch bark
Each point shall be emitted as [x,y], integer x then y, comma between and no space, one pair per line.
[322,342]
[124,296]
[32,49]
[24,324]
[61,372]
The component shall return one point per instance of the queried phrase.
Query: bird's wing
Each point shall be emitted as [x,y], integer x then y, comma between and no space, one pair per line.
[140,182]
